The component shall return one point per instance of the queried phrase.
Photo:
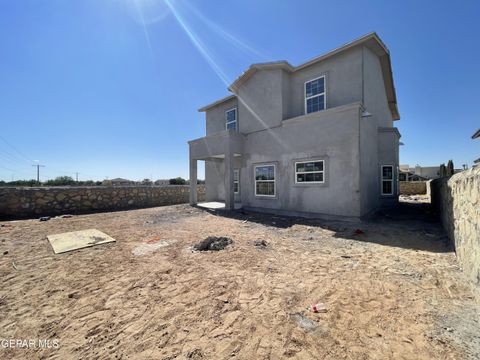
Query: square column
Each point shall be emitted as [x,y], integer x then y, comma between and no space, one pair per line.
[229,167]
[193,181]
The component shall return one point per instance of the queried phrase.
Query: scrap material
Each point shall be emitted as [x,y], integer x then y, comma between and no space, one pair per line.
[78,240]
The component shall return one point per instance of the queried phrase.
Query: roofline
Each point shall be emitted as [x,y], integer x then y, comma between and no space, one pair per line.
[218,102]
[285,65]
[476,134]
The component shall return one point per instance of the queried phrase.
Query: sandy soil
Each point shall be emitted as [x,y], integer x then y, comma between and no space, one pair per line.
[393,292]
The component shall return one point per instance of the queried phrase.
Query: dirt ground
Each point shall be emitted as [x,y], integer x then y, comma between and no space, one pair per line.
[392,290]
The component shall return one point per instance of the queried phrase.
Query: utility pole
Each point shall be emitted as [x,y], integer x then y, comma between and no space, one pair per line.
[76,176]
[38,171]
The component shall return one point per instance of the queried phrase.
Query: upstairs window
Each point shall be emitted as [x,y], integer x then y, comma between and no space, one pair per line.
[265,180]
[309,172]
[387,180]
[231,119]
[315,95]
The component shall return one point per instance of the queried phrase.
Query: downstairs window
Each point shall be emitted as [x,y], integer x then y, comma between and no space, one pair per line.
[265,180]
[387,180]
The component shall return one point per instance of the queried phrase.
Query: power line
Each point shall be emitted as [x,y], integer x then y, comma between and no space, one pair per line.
[18,151]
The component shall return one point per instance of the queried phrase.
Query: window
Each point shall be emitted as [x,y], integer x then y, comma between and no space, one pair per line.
[387,180]
[309,172]
[236,181]
[265,180]
[315,95]
[231,119]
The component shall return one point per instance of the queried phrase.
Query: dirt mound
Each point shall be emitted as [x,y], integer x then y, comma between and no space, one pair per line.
[213,243]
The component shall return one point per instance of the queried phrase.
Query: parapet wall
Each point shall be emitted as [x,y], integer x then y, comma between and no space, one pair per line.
[28,202]
[457,200]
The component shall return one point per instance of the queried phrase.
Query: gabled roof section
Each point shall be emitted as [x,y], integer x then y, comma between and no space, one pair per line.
[371,40]
[218,102]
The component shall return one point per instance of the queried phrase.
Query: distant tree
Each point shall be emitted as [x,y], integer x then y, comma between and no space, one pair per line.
[450,168]
[21,183]
[60,181]
[147,182]
[178,181]
[200,182]
[87,183]
[443,170]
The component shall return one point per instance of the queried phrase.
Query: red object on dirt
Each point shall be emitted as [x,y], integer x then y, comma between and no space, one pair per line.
[316,308]
[359,232]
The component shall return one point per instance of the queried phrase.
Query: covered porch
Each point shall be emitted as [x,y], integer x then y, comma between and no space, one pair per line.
[225,146]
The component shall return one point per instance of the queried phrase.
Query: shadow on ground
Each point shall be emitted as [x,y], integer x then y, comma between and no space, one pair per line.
[409,225]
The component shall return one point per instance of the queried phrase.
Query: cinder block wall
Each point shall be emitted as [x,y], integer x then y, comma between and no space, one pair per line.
[457,200]
[413,187]
[25,202]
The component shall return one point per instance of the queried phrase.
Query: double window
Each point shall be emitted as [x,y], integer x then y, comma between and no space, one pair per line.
[265,180]
[387,180]
[231,119]
[236,181]
[310,172]
[315,95]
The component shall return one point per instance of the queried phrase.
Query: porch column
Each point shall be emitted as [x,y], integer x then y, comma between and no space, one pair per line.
[193,181]
[229,165]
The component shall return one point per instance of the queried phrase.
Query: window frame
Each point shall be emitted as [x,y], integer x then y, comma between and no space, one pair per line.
[274,180]
[309,172]
[231,122]
[317,95]
[390,180]
[236,181]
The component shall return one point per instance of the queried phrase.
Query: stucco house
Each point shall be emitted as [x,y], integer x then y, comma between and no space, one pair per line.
[317,138]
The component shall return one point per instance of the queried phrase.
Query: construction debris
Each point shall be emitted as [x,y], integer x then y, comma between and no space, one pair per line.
[213,243]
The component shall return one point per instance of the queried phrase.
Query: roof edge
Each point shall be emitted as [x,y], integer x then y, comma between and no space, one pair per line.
[218,102]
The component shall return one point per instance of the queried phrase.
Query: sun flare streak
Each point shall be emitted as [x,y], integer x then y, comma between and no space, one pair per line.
[198,44]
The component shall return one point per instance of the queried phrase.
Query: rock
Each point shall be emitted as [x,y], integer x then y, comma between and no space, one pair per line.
[260,244]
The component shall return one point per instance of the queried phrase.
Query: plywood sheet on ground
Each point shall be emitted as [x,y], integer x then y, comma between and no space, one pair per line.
[77,240]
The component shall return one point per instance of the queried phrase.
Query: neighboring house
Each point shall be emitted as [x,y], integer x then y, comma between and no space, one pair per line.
[162,182]
[119,182]
[418,173]
[315,138]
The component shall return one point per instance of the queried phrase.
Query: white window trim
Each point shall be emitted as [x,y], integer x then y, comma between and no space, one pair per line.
[236,181]
[310,97]
[309,172]
[231,122]
[382,180]
[274,181]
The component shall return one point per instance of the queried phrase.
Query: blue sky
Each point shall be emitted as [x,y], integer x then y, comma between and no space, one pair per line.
[111,88]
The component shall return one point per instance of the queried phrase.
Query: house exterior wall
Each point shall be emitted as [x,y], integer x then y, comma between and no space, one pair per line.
[261,101]
[377,147]
[332,136]
[343,76]
[216,116]
[276,130]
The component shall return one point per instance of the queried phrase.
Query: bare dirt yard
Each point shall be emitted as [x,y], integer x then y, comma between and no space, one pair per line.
[392,289]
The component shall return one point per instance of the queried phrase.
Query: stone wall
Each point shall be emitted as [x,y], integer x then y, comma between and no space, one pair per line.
[413,187]
[26,202]
[457,200]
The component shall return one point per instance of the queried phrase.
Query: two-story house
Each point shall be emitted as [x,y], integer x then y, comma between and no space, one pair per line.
[317,138]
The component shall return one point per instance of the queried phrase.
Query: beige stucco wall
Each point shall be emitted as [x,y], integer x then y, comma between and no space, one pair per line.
[24,202]
[457,199]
